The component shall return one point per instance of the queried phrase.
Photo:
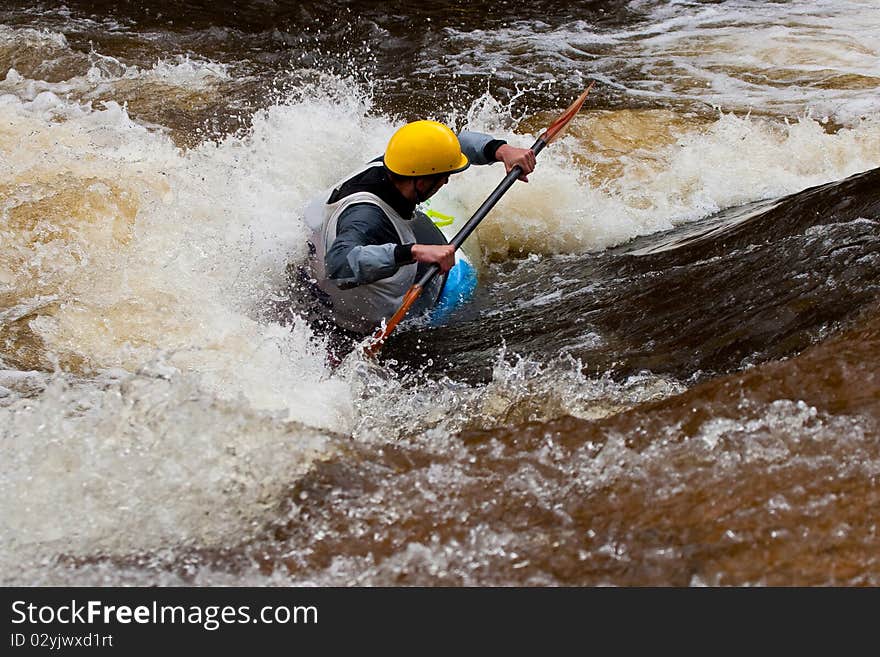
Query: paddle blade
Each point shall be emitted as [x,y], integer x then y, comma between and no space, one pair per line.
[382,334]
[559,125]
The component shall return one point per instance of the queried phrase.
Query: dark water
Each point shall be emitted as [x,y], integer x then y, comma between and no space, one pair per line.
[669,374]
[765,476]
[404,51]
[733,290]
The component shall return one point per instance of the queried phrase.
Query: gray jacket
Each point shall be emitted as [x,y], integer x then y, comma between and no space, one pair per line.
[367,247]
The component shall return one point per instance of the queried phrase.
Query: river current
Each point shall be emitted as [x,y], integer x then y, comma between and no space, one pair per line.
[668,375]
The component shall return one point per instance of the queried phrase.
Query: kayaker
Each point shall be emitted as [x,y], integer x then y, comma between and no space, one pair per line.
[367,240]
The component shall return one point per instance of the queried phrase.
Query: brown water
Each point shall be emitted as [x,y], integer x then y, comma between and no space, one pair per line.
[668,375]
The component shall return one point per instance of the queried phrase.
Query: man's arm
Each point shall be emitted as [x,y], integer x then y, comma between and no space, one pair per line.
[366,248]
[484,149]
[479,148]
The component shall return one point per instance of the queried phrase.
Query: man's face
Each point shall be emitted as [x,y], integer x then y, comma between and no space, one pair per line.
[429,186]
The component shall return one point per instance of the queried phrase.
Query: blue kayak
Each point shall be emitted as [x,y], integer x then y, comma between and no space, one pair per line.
[461,283]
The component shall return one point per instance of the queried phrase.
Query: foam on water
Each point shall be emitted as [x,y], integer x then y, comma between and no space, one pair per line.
[129,463]
[787,59]
[671,172]
[389,405]
[124,254]
[144,249]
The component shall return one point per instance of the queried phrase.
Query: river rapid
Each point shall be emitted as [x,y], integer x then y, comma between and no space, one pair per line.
[668,376]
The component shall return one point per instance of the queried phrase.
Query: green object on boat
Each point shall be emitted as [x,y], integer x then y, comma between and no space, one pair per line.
[440,220]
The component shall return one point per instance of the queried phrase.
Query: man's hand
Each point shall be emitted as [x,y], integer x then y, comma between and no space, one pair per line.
[512,156]
[442,255]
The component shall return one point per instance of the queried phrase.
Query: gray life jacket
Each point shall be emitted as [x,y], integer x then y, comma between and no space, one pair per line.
[363,308]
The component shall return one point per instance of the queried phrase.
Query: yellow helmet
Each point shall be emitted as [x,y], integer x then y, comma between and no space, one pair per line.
[424,148]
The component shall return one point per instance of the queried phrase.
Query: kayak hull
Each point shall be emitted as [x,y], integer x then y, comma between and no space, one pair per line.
[459,289]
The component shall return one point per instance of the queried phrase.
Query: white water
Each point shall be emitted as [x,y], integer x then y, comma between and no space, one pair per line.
[802,57]
[179,414]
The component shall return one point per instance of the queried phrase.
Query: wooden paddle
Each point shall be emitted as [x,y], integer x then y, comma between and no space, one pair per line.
[546,138]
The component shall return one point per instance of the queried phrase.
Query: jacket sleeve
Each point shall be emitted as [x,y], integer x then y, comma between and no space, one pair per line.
[366,248]
[479,148]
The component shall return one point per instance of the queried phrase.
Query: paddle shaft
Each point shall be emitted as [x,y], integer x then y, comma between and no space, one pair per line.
[481,213]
